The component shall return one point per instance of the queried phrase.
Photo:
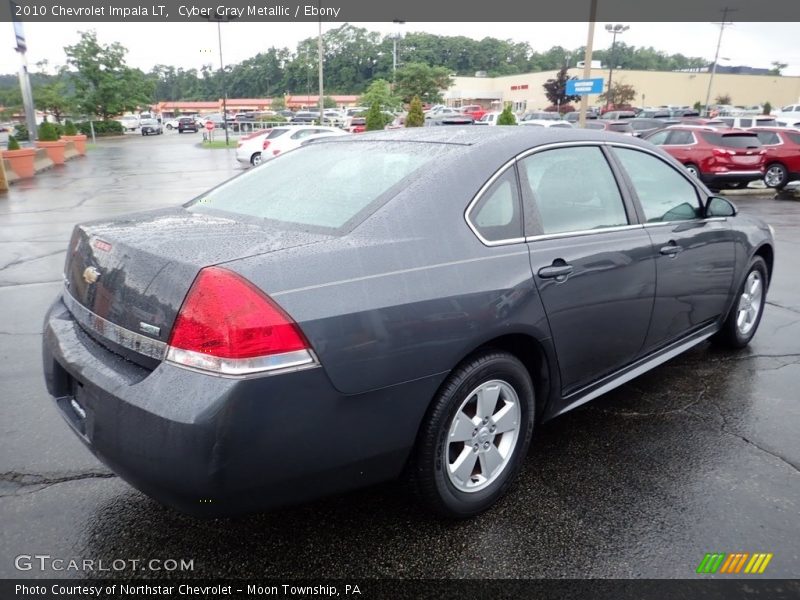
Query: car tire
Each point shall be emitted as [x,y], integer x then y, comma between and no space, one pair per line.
[169,126]
[460,479]
[742,322]
[776,176]
[255,160]
[693,169]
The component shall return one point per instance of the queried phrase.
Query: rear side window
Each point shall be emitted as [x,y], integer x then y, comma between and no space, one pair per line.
[745,122]
[768,138]
[324,186]
[795,137]
[497,215]
[278,131]
[572,189]
[665,194]
[732,140]
[659,138]
[766,122]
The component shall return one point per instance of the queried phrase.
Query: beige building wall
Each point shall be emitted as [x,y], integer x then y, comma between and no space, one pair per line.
[653,88]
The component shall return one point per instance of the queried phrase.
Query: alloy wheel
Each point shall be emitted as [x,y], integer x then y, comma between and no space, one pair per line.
[749,306]
[774,176]
[482,436]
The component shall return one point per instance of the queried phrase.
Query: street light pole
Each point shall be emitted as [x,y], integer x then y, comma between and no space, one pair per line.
[587,62]
[224,87]
[614,30]
[722,26]
[395,37]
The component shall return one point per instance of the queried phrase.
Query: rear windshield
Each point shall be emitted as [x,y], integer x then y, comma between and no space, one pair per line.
[323,186]
[620,127]
[732,140]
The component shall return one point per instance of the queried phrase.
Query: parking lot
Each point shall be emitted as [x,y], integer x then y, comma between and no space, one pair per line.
[700,455]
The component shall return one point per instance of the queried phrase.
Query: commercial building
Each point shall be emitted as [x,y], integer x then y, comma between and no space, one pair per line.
[186,107]
[653,88]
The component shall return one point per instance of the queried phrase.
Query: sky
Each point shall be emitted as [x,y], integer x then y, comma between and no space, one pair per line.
[190,45]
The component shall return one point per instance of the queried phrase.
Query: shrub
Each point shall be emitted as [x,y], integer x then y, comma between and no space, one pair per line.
[375,120]
[767,108]
[70,129]
[507,117]
[101,128]
[415,117]
[21,132]
[48,132]
[13,144]
[698,106]
[564,108]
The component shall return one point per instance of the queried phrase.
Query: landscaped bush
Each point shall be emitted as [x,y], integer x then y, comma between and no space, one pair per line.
[70,129]
[48,133]
[21,132]
[415,117]
[507,117]
[101,128]
[13,144]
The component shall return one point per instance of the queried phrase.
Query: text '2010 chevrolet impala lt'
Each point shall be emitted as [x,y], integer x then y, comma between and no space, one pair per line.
[412,302]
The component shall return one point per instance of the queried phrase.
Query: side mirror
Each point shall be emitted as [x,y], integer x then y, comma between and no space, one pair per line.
[720,207]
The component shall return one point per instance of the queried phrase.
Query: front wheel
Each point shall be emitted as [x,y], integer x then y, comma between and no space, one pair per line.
[745,316]
[693,169]
[475,436]
[776,176]
[169,126]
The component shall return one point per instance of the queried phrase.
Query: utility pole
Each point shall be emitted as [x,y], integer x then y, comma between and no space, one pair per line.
[224,87]
[724,23]
[24,79]
[395,36]
[319,49]
[587,62]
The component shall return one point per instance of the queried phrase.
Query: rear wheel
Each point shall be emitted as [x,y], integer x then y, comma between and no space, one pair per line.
[776,176]
[745,316]
[475,436]
[255,160]
[693,169]
[169,126]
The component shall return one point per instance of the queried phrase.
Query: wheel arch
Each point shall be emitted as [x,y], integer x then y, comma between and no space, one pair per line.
[767,252]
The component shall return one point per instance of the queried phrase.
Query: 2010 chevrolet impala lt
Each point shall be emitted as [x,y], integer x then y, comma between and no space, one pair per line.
[410,303]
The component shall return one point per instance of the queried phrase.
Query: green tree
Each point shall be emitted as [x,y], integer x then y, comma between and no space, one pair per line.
[104,84]
[375,120]
[423,81]
[723,99]
[381,92]
[619,94]
[767,108]
[53,98]
[328,102]
[777,67]
[556,89]
[507,117]
[415,116]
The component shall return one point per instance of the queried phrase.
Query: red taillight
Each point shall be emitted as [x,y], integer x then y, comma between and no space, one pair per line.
[229,326]
[265,145]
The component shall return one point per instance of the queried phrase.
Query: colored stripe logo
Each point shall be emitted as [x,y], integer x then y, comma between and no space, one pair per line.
[734,563]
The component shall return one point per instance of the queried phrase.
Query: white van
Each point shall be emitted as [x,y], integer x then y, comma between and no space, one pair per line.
[749,121]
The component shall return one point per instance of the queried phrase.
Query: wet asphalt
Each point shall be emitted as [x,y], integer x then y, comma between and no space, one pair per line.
[700,455]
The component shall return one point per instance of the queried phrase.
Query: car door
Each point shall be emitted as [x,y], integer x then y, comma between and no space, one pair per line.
[680,143]
[694,255]
[591,262]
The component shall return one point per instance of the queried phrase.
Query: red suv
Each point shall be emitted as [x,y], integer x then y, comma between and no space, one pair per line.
[473,110]
[720,157]
[783,155]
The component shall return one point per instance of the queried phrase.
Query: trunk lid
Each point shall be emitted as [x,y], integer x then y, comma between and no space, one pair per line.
[133,273]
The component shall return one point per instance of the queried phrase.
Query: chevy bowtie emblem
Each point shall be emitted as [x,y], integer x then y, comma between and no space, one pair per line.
[90,275]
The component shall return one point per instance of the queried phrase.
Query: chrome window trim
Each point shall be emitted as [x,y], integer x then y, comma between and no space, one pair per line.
[104,328]
[582,232]
[467,212]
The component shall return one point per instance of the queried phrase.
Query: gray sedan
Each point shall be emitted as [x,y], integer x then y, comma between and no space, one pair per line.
[411,302]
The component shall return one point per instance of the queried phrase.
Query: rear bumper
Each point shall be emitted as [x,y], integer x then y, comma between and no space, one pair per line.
[216,446]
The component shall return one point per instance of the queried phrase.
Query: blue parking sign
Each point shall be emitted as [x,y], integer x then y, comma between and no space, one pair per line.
[584,87]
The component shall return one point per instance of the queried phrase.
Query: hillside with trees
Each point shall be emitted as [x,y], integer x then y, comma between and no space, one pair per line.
[353,58]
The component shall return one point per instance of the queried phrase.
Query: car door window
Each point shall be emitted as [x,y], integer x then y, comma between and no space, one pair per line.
[573,189]
[745,122]
[664,193]
[498,215]
[659,138]
[681,138]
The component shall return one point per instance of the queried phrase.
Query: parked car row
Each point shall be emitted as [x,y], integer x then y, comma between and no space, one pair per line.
[258,147]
